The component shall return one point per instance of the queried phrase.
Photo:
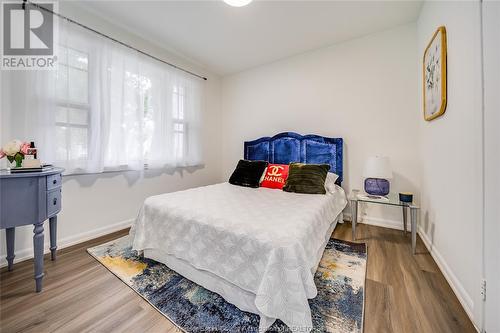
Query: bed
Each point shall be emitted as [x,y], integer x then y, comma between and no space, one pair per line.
[257,248]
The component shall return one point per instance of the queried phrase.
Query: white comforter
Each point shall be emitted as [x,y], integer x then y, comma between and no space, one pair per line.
[267,242]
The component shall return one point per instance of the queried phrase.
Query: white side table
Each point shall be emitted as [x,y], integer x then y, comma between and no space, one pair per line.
[392,200]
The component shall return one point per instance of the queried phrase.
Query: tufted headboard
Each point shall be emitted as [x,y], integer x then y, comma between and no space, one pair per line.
[289,147]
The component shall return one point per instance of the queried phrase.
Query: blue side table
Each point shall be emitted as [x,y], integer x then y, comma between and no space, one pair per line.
[30,198]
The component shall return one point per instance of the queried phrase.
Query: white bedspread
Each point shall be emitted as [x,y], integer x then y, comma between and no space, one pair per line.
[265,241]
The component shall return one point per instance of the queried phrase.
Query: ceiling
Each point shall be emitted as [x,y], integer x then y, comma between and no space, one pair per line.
[228,39]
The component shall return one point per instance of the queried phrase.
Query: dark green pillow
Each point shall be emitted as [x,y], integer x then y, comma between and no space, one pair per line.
[306,178]
[248,173]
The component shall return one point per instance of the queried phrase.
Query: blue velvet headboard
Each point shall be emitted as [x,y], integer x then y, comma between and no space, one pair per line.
[289,147]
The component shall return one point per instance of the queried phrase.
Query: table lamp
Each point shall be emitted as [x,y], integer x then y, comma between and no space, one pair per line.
[377,172]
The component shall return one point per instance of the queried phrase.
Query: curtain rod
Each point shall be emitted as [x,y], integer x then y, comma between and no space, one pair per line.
[110,38]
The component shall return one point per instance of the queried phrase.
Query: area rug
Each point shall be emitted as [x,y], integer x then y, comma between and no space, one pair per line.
[338,307]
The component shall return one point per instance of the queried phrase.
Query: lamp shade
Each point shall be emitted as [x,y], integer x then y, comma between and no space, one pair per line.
[378,167]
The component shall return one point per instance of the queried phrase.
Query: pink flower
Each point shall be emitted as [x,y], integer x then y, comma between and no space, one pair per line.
[24,148]
[2,154]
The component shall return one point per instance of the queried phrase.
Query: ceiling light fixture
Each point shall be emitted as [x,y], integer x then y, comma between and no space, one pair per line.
[237,3]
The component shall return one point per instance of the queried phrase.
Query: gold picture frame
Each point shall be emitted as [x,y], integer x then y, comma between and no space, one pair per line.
[434,75]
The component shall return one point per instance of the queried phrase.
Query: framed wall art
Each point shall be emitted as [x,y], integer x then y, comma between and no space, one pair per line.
[434,72]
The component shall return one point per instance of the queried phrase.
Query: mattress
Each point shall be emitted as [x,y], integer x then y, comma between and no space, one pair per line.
[257,248]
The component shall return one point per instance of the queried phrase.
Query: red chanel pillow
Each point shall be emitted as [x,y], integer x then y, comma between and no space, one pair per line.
[275,176]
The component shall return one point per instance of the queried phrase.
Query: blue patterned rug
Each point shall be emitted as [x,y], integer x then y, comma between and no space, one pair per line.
[338,307]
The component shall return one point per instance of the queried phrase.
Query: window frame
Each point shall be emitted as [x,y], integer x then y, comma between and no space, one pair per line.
[69,104]
[180,92]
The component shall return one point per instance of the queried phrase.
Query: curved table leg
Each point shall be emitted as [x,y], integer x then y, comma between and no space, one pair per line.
[38,252]
[10,235]
[53,237]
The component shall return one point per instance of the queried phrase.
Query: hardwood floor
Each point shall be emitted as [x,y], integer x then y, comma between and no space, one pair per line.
[404,293]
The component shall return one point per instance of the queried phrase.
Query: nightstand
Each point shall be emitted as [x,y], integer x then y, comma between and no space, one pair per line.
[392,199]
[30,198]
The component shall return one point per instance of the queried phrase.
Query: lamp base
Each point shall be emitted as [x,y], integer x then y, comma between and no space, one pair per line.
[377,186]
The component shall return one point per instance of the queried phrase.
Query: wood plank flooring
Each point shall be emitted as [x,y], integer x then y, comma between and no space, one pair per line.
[404,293]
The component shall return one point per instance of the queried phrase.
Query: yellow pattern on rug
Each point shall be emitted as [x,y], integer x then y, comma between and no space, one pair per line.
[124,268]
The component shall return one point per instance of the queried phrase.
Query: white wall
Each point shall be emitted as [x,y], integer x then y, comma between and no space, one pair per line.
[451,158]
[94,204]
[491,33]
[364,91]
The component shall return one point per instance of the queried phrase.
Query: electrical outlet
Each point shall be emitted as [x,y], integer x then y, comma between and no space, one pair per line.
[483,289]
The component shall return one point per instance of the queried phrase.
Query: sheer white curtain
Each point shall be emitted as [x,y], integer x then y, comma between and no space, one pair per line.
[27,109]
[174,119]
[107,107]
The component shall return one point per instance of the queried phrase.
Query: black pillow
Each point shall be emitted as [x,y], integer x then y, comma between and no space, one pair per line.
[248,173]
[306,178]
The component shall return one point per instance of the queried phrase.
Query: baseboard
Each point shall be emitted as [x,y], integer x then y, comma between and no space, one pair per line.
[380,222]
[27,253]
[462,295]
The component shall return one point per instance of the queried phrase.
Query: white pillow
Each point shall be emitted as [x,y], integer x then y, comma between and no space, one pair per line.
[263,175]
[331,178]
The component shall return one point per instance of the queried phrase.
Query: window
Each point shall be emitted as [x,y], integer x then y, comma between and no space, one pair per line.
[105,108]
[72,109]
[109,108]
